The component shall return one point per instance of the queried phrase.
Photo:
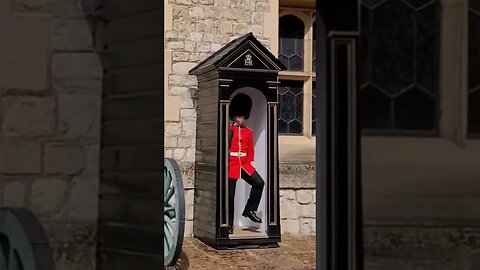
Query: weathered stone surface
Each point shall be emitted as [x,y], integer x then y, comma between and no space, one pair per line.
[190,155]
[83,203]
[63,159]
[20,157]
[307,226]
[184,142]
[14,194]
[92,163]
[179,154]
[182,67]
[29,116]
[71,35]
[171,142]
[188,228]
[172,129]
[290,173]
[189,212]
[24,49]
[289,209]
[288,194]
[307,211]
[188,128]
[290,226]
[71,107]
[47,195]
[77,71]
[304,196]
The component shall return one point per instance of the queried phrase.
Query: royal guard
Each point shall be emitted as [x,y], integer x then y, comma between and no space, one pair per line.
[241,163]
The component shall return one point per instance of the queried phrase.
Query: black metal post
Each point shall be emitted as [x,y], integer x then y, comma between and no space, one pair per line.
[339,224]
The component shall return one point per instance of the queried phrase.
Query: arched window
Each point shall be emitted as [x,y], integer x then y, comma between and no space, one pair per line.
[291,35]
[400,69]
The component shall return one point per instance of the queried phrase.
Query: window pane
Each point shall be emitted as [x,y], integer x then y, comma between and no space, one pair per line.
[290,107]
[400,64]
[474,67]
[291,34]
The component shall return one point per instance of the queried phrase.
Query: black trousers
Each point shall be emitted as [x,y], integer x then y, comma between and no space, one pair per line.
[257,183]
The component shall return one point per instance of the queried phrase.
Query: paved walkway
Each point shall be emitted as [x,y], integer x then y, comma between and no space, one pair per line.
[294,253]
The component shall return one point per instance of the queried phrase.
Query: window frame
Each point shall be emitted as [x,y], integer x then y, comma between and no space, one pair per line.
[307,75]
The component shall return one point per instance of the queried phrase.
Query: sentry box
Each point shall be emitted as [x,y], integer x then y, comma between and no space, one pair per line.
[242,68]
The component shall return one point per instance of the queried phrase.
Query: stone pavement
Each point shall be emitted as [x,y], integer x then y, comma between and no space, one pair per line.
[295,253]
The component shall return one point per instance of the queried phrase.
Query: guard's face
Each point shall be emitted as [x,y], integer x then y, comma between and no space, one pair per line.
[239,120]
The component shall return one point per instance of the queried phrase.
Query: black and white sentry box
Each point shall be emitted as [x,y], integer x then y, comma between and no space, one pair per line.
[242,66]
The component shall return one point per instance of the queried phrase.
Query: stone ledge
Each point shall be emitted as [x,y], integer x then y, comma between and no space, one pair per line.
[292,175]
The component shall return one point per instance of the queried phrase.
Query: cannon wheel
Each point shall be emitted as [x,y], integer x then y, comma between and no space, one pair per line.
[174,212]
[23,243]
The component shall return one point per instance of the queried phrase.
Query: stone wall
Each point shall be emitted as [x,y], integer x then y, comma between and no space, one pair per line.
[197,29]
[50,91]
[297,198]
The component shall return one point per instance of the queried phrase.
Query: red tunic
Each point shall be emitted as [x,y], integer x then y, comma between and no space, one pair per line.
[241,154]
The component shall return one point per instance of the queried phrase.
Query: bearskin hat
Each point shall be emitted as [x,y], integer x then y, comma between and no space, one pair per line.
[241,105]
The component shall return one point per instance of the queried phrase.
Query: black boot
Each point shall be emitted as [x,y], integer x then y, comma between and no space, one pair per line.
[252,216]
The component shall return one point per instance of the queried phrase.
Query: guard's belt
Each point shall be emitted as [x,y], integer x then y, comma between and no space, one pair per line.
[238,154]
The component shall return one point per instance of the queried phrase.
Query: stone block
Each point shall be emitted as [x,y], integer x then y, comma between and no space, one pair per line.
[209,37]
[185,142]
[64,159]
[262,6]
[180,56]
[24,52]
[188,228]
[14,194]
[240,28]
[257,30]
[175,45]
[189,212]
[77,71]
[179,154]
[290,226]
[189,47]
[207,25]
[83,201]
[175,79]
[288,194]
[188,113]
[190,155]
[172,129]
[203,47]
[308,210]
[304,196]
[307,226]
[71,106]
[182,67]
[71,35]
[222,3]
[29,116]
[47,196]
[289,210]
[179,91]
[196,12]
[172,109]
[20,157]
[187,103]
[92,163]
[257,18]
[188,128]
[171,142]
[168,153]
[215,47]
[189,196]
